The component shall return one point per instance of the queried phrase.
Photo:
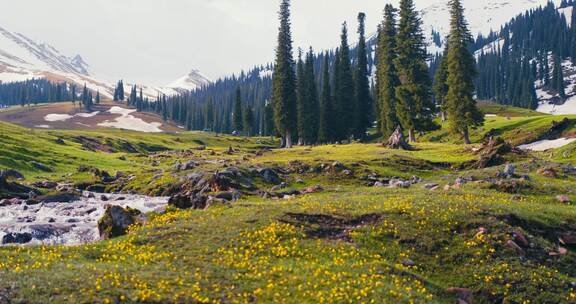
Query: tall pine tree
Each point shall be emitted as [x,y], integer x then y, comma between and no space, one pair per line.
[462,110]
[284,82]
[415,106]
[363,103]
[386,72]
[344,90]
[237,116]
[440,83]
[326,126]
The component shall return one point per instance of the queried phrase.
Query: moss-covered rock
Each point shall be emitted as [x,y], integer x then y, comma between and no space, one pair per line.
[117,220]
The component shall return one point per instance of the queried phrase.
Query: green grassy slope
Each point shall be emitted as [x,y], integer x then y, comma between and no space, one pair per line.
[348,244]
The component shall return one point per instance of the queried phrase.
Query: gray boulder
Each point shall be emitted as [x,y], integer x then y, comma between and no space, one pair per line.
[116,220]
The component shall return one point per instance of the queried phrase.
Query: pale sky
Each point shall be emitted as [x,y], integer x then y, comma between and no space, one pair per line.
[157,41]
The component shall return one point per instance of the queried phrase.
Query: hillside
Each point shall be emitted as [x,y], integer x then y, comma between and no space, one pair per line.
[69,116]
[444,229]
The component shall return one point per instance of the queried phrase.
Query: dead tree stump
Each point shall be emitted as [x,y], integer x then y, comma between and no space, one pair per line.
[397,141]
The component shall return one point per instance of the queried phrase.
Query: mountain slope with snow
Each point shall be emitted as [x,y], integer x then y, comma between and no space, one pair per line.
[22,58]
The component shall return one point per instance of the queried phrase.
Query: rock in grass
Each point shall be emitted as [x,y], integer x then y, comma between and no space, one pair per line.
[116,221]
[189,201]
[17,238]
[520,239]
[563,199]
[270,176]
[40,166]
[511,244]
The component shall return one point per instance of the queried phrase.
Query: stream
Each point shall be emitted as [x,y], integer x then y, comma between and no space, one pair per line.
[72,223]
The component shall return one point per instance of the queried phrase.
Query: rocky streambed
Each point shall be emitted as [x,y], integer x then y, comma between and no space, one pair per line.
[65,223]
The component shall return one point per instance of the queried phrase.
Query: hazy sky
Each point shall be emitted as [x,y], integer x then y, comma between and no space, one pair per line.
[158,41]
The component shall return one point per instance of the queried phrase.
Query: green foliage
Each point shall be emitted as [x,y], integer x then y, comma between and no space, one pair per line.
[343,90]
[414,100]
[462,110]
[362,98]
[284,82]
[386,72]
[237,117]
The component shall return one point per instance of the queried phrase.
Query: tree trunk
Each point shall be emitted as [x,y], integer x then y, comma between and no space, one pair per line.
[288,139]
[466,136]
[411,136]
[443,116]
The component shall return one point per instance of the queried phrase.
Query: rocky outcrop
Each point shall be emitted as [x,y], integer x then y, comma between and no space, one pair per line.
[117,220]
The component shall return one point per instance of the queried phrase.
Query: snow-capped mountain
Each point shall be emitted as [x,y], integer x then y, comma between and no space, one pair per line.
[483,16]
[22,58]
[192,81]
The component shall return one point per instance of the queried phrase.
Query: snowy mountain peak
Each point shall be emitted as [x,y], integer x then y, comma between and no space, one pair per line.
[80,65]
[192,81]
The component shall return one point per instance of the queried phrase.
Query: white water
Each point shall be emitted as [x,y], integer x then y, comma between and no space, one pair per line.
[547,144]
[69,223]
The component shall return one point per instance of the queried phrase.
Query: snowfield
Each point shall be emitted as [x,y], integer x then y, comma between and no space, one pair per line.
[57,117]
[127,121]
[544,145]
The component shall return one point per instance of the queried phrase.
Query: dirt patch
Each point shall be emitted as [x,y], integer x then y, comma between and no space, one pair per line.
[325,226]
[92,144]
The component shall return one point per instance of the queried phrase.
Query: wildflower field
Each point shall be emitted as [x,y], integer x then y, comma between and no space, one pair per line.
[350,243]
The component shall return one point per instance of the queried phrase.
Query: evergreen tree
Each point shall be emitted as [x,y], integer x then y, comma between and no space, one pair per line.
[386,72]
[209,116]
[462,110]
[284,82]
[269,129]
[309,131]
[414,102]
[363,103]
[98,97]
[326,126]
[440,83]
[344,90]
[558,77]
[74,96]
[248,121]
[238,117]
[301,101]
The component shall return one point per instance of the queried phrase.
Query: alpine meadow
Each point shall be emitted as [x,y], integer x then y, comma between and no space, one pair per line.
[394,151]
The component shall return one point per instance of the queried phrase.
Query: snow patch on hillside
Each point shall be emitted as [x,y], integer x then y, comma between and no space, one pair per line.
[127,121]
[544,145]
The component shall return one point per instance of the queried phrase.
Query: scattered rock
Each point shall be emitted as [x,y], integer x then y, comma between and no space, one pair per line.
[399,183]
[40,166]
[568,239]
[431,186]
[312,189]
[563,199]
[520,238]
[511,244]
[46,184]
[270,176]
[379,184]
[464,294]
[63,197]
[116,221]
[189,201]
[408,263]
[10,202]
[10,174]
[17,238]
[282,185]
[189,165]
[548,172]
